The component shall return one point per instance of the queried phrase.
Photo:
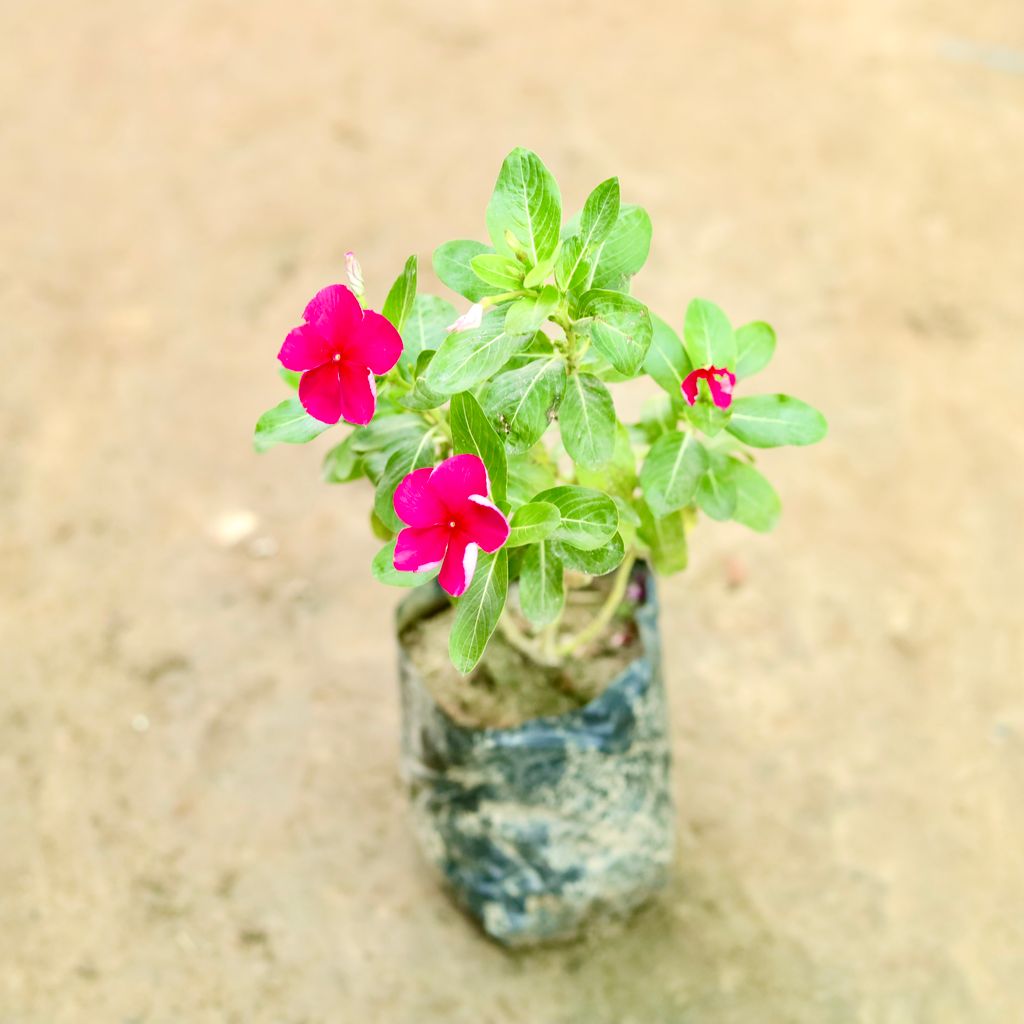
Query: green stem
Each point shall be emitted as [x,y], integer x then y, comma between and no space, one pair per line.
[607,612]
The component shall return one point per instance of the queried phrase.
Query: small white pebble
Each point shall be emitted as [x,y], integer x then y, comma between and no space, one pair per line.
[233,526]
[140,723]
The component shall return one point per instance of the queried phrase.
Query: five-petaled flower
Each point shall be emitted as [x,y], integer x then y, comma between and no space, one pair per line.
[720,383]
[338,350]
[449,516]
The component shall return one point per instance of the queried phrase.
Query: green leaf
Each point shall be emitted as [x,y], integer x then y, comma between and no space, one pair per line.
[598,562]
[573,268]
[468,357]
[705,415]
[521,401]
[426,326]
[478,610]
[716,493]
[290,377]
[589,518]
[286,423]
[504,272]
[617,476]
[384,571]
[757,504]
[422,397]
[672,471]
[409,457]
[528,313]
[600,212]
[526,202]
[766,421]
[542,271]
[708,336]
[665,538]
[533,522]
[541,584]
[453,265]
[472,434]
[398,305]
[625,249]
[342,463]
[529,473]
[619,326]
[587,421]
[755,346]
[666,359]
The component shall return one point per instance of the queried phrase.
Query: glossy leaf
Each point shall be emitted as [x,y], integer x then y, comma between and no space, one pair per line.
[757,503]
[619,326]
[541,584]
[624,251]
[755,346]
[286,423]
[598,562]
[468,357]
[521,401]
[766,421]
[666,359]
[503,272]
[398,305]
[453,265]
[533,522]
[587,421]
[426,326]
[525,315]
[671,472]
[478,610]
[716,493]
[589,518]
[526,203]
[600,212]
[708,336]
[472,434]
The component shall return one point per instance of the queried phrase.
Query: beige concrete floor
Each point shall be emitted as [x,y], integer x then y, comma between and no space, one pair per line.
[200,819]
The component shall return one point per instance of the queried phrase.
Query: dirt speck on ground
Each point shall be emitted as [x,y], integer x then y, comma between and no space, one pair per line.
[200,812]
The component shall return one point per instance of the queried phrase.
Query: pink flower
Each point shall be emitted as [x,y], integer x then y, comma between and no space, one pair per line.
[449,517]
[338,350]
[469,320]
[721,382]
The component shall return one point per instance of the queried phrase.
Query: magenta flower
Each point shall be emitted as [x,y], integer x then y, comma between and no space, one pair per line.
[721,382]
[449,517]
[338,350]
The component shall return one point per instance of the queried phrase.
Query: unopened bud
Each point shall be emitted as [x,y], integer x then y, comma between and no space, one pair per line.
[354,273]
[469,320]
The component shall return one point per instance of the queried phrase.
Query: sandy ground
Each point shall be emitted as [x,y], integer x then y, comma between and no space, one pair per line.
[200,818]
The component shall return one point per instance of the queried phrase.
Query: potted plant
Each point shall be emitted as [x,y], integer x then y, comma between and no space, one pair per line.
[531,521]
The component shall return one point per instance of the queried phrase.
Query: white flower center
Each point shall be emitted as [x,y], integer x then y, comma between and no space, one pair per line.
[337,357]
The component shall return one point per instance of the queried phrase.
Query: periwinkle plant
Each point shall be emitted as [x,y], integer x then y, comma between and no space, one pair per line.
[491,437]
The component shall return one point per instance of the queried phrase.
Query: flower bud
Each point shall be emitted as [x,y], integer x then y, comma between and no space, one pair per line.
[469,320]
[354,273]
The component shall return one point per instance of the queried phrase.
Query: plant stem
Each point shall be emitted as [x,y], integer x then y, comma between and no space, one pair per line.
[521,642]
[607,612]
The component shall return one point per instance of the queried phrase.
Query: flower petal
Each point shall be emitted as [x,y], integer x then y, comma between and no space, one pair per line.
[304,349]
[375,343]
[320,393]
[484,522]
[416,504]
[335,310]
[358,393]
[459,564]
[455,479]
[721,383]
[419,550]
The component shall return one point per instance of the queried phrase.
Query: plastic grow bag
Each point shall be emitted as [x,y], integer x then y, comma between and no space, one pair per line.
[544,828]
